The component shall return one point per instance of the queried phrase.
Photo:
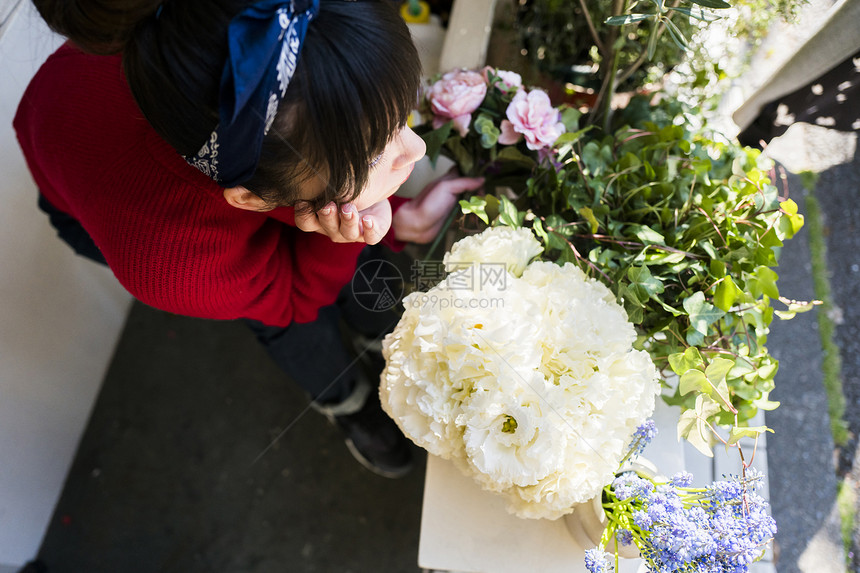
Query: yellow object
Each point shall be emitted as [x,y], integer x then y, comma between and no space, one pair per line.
[423,17]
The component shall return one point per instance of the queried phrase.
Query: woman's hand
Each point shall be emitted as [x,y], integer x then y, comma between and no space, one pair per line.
[346,225]
[421,219]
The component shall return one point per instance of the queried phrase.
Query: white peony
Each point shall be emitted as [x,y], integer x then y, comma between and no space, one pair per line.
[530,385]
[513,247]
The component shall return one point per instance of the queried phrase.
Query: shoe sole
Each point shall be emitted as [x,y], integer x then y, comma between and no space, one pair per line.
[390,474]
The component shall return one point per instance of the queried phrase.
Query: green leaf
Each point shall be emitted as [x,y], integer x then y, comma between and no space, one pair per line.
[718,369]
[667,308]
[477,206]
[717,4]
[435,139]
[692,426]
[702,314]
[588,214]
[645,234]
[737,433]
[790,221]
[537,225]
[511,154]
[708,247]
[726,294]
[652,43]
[565,141]
[765,404]
[635,315]
[509,215]
[460,154]
[796,307]
[644,283]
[693,380]
[677,35]
[596,158]
[763,281]
[627,19]
[570,118]
[697,14]
[720,393]
[683,361]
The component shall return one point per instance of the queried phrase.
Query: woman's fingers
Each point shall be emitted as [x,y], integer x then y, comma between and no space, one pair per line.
[306,220]
[420,220]
[350,223]
[376,220]
[340,224]
[441,197]
[329,221]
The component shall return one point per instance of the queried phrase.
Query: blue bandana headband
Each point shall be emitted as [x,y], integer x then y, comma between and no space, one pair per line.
[264,42]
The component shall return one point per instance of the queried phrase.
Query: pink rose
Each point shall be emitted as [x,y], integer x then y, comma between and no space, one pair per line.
[532,115]
[510,80]
[455,97]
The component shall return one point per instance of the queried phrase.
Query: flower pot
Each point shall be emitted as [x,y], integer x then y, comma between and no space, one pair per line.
[587,522]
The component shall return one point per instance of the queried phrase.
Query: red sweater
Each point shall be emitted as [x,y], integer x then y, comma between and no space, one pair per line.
[164,228]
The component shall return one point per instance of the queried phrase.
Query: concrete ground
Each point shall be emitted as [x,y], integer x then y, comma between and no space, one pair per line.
[165,479]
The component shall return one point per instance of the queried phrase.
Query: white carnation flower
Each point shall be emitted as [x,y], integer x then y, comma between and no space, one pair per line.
[513,247]
[535,396]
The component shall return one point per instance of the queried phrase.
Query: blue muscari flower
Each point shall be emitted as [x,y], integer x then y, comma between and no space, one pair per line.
[596,561]
[642,437]
[725,491]
[682,479]
[754,479]
[624,537]
[722,531]
[629,485]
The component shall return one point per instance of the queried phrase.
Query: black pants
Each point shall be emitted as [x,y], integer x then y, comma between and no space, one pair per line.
[315,354]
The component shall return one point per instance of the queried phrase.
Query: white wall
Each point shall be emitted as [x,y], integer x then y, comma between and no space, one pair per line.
[60,317]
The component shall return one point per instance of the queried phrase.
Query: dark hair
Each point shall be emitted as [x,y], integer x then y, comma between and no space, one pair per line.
[356,82]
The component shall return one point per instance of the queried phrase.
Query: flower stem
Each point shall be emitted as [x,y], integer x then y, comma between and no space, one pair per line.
[442,232]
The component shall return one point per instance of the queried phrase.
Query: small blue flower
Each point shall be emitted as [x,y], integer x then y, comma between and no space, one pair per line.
[725,491]
[720,530]
[597,561]
[642,437]
[624,537]
[629,485]
[682,479]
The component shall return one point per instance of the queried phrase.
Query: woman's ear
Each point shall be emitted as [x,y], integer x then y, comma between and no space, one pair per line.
[241,198]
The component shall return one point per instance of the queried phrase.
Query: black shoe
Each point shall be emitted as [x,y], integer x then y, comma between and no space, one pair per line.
[375,440]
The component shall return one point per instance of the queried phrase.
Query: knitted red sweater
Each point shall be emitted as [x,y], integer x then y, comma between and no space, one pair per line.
[164,228]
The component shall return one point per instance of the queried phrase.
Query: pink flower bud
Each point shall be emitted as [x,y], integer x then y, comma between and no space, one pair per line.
[532,115]
[455,97]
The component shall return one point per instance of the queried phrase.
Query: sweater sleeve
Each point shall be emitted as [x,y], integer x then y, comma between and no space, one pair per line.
[321,268]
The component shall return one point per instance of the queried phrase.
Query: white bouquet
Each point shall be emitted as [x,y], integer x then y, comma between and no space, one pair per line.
[523,373]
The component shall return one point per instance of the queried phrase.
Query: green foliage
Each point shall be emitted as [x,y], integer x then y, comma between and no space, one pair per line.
[685,231]
[557,39]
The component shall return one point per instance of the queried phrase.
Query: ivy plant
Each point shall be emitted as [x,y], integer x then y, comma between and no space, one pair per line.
[685,230]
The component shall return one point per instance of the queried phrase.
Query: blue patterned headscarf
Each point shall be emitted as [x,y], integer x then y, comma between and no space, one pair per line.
[264,42]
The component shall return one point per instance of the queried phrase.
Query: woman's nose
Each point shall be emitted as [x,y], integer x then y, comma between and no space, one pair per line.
[412,148]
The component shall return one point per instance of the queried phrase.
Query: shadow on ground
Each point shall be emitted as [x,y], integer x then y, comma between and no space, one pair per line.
[165,479]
